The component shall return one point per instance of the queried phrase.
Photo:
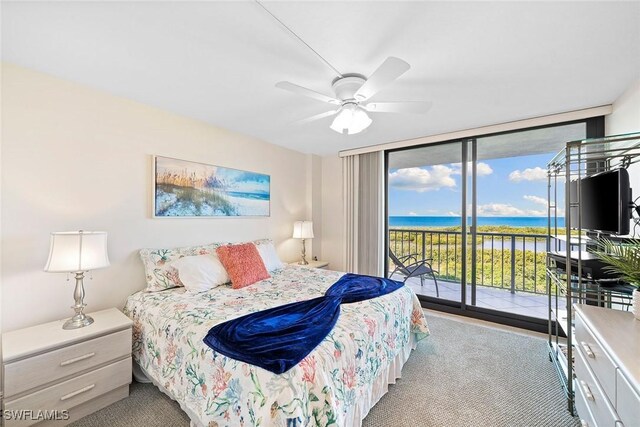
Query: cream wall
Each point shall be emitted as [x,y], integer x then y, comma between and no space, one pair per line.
[332,213]
[314,205]
[625,118]
[76,158]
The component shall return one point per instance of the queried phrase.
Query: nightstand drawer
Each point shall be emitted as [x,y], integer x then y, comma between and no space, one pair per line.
[595,356]
[73,392]
[30,373]
[627,402]
[599,405]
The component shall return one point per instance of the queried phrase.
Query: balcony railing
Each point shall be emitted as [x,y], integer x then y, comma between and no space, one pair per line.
[503,260]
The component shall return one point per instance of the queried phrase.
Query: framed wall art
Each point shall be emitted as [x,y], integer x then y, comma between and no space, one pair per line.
[190,189]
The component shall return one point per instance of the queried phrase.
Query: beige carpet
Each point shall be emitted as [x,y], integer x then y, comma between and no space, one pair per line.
[462,375]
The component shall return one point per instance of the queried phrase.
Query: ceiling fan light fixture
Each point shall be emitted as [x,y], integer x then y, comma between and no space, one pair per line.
[351,120]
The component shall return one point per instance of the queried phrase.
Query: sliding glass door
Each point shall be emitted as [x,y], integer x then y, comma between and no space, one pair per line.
[471,216]
[425,221]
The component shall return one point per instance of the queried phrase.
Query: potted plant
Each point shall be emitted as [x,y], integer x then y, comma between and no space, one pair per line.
[624,261]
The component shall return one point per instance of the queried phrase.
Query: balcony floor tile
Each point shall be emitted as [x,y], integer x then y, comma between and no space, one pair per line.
[524,303]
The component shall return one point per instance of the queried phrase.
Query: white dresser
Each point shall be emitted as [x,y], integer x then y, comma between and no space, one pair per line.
[607,367]
[56,376]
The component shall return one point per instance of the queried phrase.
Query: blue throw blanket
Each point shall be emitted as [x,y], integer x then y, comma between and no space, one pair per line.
[278,338]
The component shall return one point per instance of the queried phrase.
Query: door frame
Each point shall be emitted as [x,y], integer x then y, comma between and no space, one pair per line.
[594,128]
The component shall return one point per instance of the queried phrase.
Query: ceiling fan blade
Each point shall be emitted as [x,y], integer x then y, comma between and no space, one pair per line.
[391,69]
[316,117]
[307,92]
[412,107]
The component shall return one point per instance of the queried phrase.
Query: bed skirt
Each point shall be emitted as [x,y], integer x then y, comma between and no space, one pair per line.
[380,385]
[358,412]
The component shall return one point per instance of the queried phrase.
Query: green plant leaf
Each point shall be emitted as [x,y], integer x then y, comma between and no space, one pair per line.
[623,259]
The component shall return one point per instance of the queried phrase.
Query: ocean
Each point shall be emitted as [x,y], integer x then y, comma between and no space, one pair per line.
[452,221]
[244,195]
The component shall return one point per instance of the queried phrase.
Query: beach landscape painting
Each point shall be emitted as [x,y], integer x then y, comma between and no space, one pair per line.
[191,189]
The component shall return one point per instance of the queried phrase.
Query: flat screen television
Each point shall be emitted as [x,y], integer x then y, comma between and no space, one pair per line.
[605,202]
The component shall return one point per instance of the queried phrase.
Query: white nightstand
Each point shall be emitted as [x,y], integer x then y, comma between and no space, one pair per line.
[47,368]
[312,264]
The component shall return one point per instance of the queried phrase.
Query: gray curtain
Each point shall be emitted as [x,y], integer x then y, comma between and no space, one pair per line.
[363,192]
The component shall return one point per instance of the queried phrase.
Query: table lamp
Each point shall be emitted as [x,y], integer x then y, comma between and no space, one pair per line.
[303,230]
[77,252]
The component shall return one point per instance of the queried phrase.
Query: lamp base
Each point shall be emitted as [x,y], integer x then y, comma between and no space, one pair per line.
[78,321]
[303,261]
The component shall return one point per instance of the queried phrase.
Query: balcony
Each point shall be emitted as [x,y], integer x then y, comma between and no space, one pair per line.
[510,272]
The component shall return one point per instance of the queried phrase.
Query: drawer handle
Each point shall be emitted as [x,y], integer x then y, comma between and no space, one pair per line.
[587,391]
[77,392]
[587,350]
[77,359]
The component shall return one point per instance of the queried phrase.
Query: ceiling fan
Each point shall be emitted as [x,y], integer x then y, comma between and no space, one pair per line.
[352,92]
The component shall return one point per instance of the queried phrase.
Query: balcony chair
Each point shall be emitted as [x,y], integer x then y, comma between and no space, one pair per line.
[417,268]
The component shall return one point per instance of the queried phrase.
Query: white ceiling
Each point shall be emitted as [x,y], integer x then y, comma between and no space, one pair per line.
[479,62]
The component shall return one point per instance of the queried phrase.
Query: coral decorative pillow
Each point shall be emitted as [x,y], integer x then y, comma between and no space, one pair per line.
[243,264]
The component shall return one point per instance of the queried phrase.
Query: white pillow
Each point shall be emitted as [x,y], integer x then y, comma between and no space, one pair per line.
[269,256]
[201,272]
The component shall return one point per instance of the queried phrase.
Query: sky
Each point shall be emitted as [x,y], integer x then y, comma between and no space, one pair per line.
[236,180]
[514,186]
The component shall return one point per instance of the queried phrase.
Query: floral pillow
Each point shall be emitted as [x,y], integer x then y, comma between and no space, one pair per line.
[159,272]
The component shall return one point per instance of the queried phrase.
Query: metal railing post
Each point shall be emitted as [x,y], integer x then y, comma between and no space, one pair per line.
[405,241]
[513,264]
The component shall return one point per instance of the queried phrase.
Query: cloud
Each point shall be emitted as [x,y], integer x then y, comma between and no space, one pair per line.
[506,209]
[529,174]
[482,169]
[499,209]
[422,179]
[451,213]
[542,202]
[412,213]
[535,199]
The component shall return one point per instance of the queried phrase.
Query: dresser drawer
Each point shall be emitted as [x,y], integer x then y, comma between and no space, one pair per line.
[599,362]
[71,393]
[45,368]
[586,419]
[594,396]
[627,402]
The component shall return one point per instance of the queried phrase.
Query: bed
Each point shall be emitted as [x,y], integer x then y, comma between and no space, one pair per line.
[336,384]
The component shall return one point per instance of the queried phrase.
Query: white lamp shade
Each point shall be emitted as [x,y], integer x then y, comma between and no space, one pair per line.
[73,251]
[350,120]
[303,230]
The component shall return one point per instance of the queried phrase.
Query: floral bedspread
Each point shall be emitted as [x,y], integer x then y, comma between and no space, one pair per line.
[167,343]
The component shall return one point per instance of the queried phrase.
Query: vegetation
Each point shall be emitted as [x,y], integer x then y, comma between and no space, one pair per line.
[194,200]
[623,259]
[444,246]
